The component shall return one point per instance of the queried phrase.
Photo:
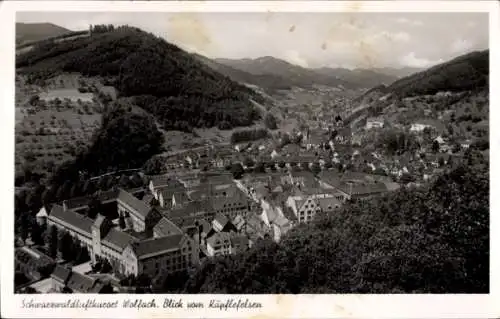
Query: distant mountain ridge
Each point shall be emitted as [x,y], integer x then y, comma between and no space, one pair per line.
[27,32]
[291,74]
[397,72]
[268,69]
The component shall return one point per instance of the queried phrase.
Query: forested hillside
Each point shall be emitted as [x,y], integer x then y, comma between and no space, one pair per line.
[269,82]
[428,240]
[125,140]
[466,72]
[186,93]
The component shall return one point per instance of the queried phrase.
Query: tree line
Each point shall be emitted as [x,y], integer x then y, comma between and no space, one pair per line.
[249,135]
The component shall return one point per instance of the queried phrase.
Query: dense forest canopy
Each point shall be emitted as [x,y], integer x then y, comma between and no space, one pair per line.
[125,140]
[466,72]
[429,240]
[182,92]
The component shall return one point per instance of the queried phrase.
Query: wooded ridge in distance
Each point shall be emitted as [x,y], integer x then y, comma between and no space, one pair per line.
[185,93]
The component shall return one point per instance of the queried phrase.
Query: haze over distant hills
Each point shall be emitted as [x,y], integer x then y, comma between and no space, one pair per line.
[26,32]
[294,75]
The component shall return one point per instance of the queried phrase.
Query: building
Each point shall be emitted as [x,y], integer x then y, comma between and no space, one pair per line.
[139,215]
[68,281]
[219,244]
[306,204]
[229,201]
[165,227]
[374,122]
[154,256]
[105,241]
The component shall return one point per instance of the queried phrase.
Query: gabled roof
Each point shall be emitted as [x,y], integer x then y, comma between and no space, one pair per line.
[221,219]
[192,208]
[153,247]
[140,208]
[80,283]
[160,180]
[180,197]
[42,212]
[165,227]
[118,239]
[61,273]
[218,239]
[71,218]
[169,191]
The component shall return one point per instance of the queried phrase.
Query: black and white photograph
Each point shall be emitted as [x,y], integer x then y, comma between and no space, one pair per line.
[251,153]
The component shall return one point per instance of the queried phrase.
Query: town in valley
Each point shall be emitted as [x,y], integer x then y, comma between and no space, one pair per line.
[143,167]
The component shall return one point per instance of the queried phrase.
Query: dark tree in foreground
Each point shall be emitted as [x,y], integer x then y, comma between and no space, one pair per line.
[52,240]
[237,171]
[431,240]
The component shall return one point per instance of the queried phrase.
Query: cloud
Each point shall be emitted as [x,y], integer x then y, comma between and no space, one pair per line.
[295,57]
[461,45]
[388,37]
[412,60]
[471,24]
[409,22]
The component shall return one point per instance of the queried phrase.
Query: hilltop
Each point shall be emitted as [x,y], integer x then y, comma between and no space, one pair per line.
[270,82]
[290,74]
[362,78]
[272,73]
[181,92]
[466,72]
[27,32]
[397,72]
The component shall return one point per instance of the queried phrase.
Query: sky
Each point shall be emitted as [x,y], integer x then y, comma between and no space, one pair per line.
[350,40]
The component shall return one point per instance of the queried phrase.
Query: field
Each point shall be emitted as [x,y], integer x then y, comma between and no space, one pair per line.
[52,131]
